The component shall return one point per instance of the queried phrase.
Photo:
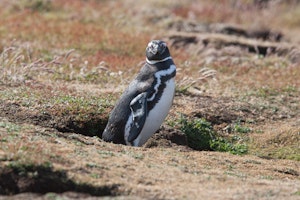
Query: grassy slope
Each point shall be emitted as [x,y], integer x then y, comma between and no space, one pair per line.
[70,61]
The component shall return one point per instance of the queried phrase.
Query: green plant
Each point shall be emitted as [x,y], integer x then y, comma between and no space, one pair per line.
[241,129]
[199,133]
[201,136]
[237,127]
[226,145]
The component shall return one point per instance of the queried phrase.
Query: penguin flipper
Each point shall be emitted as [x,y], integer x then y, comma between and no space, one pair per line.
[138,107]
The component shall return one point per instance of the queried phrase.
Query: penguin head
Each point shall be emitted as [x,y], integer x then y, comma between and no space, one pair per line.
[157,50]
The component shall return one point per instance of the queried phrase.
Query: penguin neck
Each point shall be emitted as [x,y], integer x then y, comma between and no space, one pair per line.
[153,62]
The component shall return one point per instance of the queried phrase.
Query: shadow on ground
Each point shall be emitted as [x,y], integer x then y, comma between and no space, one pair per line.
[15,179]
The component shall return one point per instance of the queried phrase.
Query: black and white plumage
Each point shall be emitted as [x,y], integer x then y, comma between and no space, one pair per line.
[146,102]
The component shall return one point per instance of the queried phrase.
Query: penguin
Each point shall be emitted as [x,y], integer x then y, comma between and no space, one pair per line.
[146,102]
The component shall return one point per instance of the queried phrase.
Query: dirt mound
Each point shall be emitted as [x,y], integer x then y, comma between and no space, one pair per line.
[93,126]
[200,38]
[226,29]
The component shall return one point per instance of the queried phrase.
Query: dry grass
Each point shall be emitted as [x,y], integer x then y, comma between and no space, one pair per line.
[63,64]
[282,143]
[141,172]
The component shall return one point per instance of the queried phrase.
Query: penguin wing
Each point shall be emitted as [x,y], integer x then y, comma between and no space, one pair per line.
[138,107]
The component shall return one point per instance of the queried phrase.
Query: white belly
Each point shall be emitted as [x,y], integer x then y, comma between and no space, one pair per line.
[157,115]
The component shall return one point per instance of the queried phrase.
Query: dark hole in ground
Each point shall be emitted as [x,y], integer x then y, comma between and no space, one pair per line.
[15,179]
[92,126]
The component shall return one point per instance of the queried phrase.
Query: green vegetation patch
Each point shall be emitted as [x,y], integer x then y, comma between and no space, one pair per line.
[199,133]
[231,145]
[201,136]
